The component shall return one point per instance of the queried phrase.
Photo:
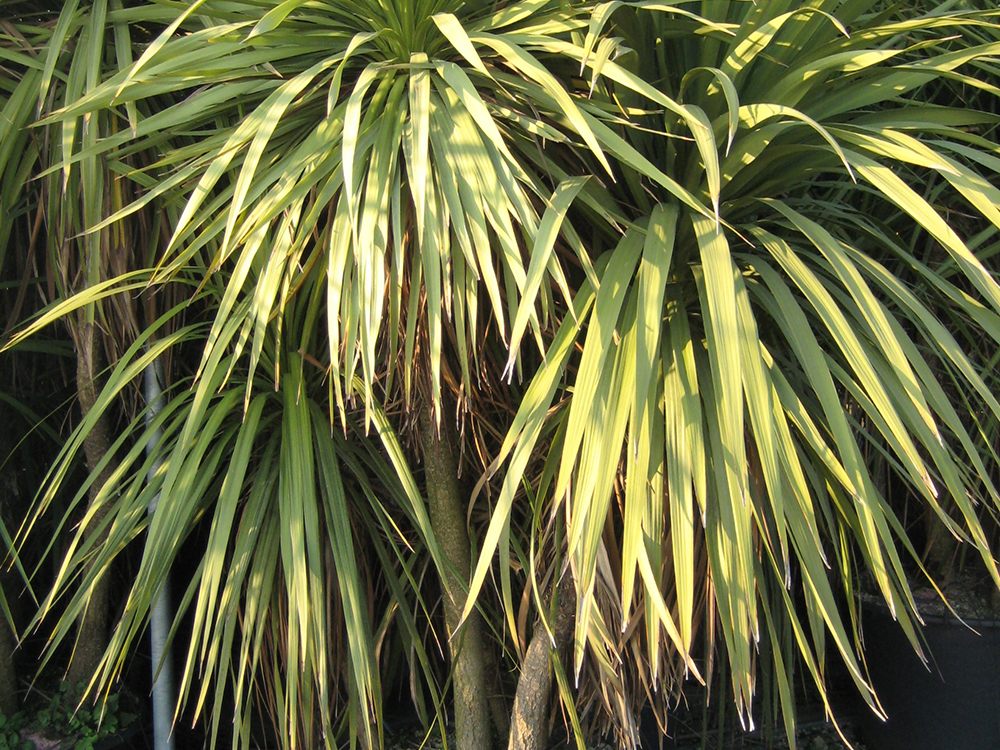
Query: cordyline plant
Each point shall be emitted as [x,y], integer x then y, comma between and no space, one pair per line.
[592,310]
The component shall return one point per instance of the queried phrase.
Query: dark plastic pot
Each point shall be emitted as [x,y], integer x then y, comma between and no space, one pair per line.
[953,704]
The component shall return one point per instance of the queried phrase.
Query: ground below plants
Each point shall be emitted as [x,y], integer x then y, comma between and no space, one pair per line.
[812,735]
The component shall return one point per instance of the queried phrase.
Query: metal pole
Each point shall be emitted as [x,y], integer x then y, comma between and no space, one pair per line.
[159,623]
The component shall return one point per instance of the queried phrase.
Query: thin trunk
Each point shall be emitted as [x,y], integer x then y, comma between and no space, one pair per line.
[941,549]
[447,512]
[92,629]
[529,724]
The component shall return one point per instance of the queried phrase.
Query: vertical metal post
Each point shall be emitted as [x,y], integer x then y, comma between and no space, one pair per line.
[159,624]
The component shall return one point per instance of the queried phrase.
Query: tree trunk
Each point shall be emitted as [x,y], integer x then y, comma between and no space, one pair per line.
[529,725]
[941,549]
[92,632]
[447,512]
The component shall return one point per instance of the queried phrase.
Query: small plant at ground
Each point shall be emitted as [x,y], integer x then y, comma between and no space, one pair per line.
[10,732]
[80,724]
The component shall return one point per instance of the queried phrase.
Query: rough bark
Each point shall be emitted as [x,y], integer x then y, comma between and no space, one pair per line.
[448,517]
[529,724]
[92,628]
